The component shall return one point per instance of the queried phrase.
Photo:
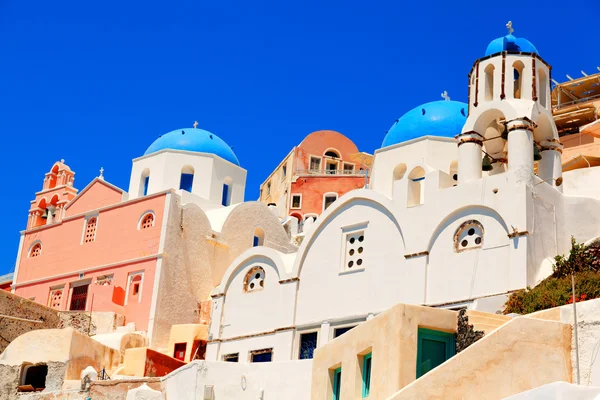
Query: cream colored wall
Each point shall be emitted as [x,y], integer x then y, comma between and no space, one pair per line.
[279,185]
[391,337]
[187,333]
[523,354]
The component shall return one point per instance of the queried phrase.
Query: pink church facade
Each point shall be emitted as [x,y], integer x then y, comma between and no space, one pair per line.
[97,253]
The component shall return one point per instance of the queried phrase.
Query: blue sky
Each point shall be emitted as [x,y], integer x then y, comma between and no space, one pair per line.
[96,83]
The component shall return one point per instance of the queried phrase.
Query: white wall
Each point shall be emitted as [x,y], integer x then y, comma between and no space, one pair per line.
[582,182]
[274,380]
[210,172]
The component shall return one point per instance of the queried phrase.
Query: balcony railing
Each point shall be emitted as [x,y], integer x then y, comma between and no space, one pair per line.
[345,172]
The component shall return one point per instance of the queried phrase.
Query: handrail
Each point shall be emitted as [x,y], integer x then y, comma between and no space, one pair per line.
[330,172]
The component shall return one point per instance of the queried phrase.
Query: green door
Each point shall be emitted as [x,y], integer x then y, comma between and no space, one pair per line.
[434,348]
[337,383]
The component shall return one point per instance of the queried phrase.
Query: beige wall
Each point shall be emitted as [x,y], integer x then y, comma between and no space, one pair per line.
[392,339]
[188,334]
[523,354]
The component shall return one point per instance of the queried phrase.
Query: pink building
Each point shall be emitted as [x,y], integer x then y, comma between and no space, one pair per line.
[153,253]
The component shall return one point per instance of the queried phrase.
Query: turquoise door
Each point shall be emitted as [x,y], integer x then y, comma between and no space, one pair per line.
[434,347]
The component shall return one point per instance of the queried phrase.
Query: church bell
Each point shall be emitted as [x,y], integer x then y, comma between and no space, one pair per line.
[486,163]
[536,153]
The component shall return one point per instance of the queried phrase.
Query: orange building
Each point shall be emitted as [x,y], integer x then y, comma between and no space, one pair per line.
[576,110]
[323,167]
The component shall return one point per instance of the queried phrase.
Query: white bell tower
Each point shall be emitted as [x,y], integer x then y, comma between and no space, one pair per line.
[510,118]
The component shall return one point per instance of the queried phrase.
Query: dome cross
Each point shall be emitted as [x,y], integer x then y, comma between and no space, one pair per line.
[101,173]
[510,28]
[445,96]
[195,124]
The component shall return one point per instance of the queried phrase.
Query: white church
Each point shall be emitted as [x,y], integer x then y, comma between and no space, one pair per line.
[465,205]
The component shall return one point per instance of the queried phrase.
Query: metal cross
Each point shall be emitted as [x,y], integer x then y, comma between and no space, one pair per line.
[195,124]
[510,28]
[445,96]
[101,172]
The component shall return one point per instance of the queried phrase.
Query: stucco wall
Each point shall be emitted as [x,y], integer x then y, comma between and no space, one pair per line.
[391,337]
[275,380]
[98,194]
[15,306]
[523,354]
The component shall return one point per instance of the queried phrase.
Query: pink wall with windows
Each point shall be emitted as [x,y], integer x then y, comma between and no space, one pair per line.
[118,244]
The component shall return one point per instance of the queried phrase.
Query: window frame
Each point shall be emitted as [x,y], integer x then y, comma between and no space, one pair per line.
[292,201]
[225,357]
[366,380]
[283,172]
[253,353]
[86,220]
[310,158]
[299,342]
[449,339]
[336,388]
[325,195]
[32,247]
[351,230]
[130,277]
[144,215]
[350,325]
[348,164]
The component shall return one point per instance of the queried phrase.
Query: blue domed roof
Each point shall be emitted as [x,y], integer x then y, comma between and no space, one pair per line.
[192,139]
[510,43]
[438,118]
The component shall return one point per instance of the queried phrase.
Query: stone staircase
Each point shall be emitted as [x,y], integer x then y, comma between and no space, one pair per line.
[486,322]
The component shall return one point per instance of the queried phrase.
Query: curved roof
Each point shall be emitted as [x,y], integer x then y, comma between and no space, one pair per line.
[444,118]
[192,139]
[510,43]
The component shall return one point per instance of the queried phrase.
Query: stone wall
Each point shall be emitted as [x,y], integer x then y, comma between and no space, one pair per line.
[11,305]
[78,320]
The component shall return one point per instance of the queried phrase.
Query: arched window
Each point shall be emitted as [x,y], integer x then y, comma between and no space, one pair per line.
[255,279]
[415,187]
[90,230]
[135,288]
[259,237]
[144,182]
[543,92]
[518,67]
[468,236]
[187,178]
[147,221]
[399,171]
[55,298]
[226,196]
[489,82]
[36,250]
[328,199]
[332,153]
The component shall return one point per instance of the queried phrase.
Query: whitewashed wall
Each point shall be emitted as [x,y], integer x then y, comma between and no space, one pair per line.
[267,381]
[210,172]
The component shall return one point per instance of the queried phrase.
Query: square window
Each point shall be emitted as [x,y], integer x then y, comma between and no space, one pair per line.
[234,357]
[354,251]
[348,168]
[328,200]
[296,201]
[340,331]
[136,289]
[315,163]
[332,166]
[283,172]
[264,355]
[308,344]
[179,352]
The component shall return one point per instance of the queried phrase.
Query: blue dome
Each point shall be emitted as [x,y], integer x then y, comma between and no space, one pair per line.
[510,43]
[438,118]
[194,140]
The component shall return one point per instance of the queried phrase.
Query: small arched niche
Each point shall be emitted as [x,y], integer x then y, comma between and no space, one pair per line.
[399,171]
[415,187]
[543,86]
[489,82]
[518,68]
[254,280]
[259,237]
[333,153]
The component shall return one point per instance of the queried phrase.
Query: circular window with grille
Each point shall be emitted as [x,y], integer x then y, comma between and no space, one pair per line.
[255,279]
[468,236]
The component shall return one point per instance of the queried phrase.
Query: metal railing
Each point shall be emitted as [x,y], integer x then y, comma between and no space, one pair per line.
[347,172]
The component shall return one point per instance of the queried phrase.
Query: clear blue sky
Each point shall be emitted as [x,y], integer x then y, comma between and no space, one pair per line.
[96,82]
